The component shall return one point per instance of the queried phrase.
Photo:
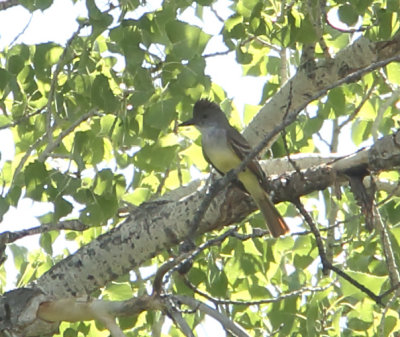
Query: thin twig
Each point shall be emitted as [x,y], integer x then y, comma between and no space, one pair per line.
[53,145]
[326,265]
[25,157]
[21,119]
[278,298]
[53,84]
[218,53]
[176,316]
[22,32]
[393,269]
[214,11]
[384,312]
[74,225]
[227,324]
[359,106]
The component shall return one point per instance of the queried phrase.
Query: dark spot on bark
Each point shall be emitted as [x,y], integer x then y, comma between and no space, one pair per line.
[117,240]
[171,235]
[132,261]
[90,252]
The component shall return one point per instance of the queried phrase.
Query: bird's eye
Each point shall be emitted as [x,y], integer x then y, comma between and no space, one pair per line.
[204,116]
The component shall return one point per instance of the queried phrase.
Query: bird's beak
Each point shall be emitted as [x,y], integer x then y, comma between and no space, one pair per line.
[188,122]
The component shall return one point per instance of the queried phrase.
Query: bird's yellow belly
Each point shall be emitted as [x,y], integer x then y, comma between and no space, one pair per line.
[222,159]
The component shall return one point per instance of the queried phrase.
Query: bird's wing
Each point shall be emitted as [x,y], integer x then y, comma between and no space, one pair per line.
[242,148]
[209,161]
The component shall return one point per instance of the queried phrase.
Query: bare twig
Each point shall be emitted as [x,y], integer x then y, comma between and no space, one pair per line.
[75,225]
[382,109]
[21,119]
[388,251]
[53,145]
[176,316]
[278,298]
[326,265]
[194,304]
[359,106]
[220,18]
[384,312]
[25,157]
[218,53]
[23,31]
[166,267]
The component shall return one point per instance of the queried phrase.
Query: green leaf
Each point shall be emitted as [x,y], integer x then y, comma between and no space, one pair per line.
[69,332]
[99,20]
[313,125]
[243,57]
[104,182]
[306,33]
[62,208]
[348,15]
[218,282]
[139,195]
[249,264]
[393,72]
[35,179]
[337,100]
[102,95]
[46,241]
[33,5]
[385,19]
[118,291]
[391,324]
[5,77]
[360,131]
[232,21]
[160,114]
[372,282]
[4,206]
[187,40]
[302,245]
[88,148]
[46,55]
[20,255]
[156,158]
[15,64]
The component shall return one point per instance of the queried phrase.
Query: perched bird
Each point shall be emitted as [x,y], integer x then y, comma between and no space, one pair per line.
[225,148]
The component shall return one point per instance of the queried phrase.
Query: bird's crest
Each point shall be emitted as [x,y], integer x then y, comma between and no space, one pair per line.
[205,104]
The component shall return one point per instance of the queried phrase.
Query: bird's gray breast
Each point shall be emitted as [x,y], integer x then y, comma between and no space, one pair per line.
[217,149]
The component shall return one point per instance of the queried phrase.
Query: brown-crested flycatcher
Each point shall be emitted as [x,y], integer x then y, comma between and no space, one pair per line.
[225,148]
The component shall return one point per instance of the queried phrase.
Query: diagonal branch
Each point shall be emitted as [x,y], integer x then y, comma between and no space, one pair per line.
[326,264]
[194,304]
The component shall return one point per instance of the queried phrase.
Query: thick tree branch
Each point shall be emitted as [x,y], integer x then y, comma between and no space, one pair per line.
[8,4]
